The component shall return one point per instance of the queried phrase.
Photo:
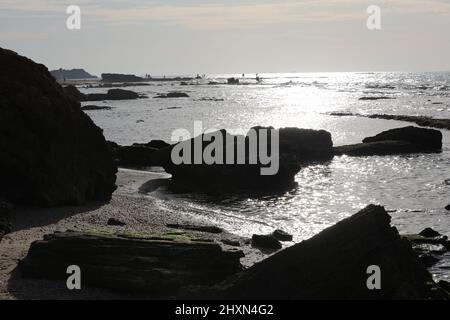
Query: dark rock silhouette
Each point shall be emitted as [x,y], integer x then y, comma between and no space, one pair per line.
[171,95]
[428,138]
[429,233]
[135,156]
[233,81]
[208,229]
[297,147]
[94,108]
[5,218]
[333,265]
[112,94]
[153,265]
[447,207]
[268,242]
[51,152]
[115,222]
[396,141]
[282,235]
[117,77]
[73,74]
[375,98]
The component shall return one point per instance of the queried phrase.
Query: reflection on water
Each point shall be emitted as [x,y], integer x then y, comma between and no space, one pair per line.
[411,187]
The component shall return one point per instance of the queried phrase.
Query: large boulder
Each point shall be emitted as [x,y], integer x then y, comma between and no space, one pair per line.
[138,154]
[297,147]
[306,144]
[51,153]
[428,138]
[396,141]
[112,94]
[227,176]
[153,265]
[334,265]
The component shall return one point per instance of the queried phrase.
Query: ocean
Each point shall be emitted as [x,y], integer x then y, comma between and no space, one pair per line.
[411,187]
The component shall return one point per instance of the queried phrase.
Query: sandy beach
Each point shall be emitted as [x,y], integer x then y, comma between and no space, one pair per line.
[140,213]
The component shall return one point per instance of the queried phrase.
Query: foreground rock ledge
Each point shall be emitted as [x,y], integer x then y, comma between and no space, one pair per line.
[333,265]
[152,265]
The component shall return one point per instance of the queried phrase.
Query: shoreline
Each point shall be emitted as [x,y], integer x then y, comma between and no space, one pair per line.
[140,213]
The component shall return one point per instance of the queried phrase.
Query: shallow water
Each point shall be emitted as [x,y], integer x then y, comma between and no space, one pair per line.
[411,187]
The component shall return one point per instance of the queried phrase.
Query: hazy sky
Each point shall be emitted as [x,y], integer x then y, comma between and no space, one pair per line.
[230,36]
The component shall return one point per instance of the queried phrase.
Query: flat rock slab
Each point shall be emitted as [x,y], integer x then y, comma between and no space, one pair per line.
[154,265]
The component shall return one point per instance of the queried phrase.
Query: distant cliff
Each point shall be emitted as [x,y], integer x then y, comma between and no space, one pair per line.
[117,77]
[74,74]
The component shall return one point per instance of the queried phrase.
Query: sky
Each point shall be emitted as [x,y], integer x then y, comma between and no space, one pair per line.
[185,37]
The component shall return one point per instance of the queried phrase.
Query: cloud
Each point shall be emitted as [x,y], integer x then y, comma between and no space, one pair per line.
[227,14]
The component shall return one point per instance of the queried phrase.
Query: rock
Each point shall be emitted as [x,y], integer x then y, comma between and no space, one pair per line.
[381,148]
[429,233]
[5,218]
[152,265]
[112,94]
[396,141]
[268,242]
[375,98]
[117,77]
[444,285]
[282,235]
[332,265]
[429,139]
[73,74]
[172,95]
[135,156]
[211,99]
[233,81]
[92,107]
[51,153]
[306,144]
[115,222]
[231,242]
[297,147]
[156,144]
[120,94]
[74,93]
[428,260]
[208,229]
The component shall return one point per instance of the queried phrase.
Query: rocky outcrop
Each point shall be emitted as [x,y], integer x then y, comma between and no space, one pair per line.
[73,74]
[334,265]
[429,139]
[153,265]
[233,81]
[112,94]
[297,147]
[95,108]
[117,77]
[375,98]
[396,141]
[138,154]
[267,242]
[282,235]
[5,219]
[51,153]
[171,95]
